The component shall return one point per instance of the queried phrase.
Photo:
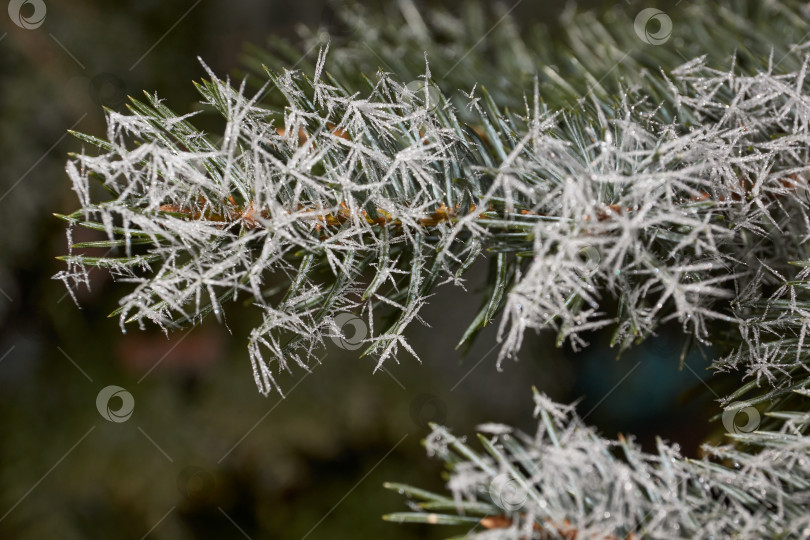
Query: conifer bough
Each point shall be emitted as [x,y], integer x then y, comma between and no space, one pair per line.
[670,181]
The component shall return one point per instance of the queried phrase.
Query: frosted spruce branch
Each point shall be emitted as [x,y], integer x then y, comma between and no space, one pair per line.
[387,197]
[674,193]
[566,481]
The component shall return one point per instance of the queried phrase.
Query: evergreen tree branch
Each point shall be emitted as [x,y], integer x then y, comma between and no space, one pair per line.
[673,187]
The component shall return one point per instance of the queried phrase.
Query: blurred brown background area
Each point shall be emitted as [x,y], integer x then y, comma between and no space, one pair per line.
[204,455]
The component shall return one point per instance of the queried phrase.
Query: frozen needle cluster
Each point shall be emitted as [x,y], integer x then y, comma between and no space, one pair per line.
[678,193]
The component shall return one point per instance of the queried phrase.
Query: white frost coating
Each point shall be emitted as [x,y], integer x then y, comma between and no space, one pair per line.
[664,219]
[567,481]
[691,208]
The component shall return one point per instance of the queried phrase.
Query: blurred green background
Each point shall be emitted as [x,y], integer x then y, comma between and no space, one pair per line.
[204,455]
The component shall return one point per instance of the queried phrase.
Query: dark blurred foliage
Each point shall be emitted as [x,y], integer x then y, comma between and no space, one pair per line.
[204,455]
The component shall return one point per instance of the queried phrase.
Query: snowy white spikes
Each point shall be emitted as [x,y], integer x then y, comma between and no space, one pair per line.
[364,200]
[673,195]
[567,481]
